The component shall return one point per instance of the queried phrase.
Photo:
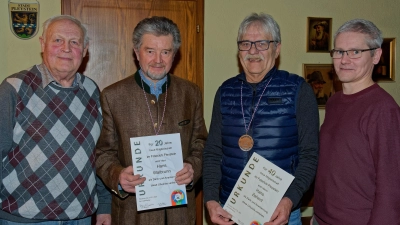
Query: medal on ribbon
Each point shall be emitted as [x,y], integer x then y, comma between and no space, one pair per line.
[246,142]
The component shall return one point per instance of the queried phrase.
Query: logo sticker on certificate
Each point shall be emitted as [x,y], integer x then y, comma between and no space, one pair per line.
[158,158]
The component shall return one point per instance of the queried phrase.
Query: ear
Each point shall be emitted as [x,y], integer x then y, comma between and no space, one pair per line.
[377,56]
[277,50]
[173,56]
[85,50]
[42,44]
[136,53]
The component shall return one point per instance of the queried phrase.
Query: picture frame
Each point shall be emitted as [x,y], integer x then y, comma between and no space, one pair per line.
[384,70]
[323,80]
[319,34]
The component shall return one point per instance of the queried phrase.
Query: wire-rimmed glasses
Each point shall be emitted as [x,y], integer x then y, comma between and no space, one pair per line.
[352,54]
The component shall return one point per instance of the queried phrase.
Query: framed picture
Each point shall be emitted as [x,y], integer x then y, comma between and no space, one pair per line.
[323,80]
[384,70]
[319,34]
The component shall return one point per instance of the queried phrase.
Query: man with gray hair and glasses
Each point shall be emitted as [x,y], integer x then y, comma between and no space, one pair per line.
[264,110]
[359,168]
[50,122]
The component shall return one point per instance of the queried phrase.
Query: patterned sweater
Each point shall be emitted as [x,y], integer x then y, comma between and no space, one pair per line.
[47,147]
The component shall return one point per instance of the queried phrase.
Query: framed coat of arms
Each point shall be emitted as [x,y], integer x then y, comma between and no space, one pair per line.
[24,19]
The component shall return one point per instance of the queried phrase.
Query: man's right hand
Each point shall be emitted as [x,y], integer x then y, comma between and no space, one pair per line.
[128,181]
[217,214]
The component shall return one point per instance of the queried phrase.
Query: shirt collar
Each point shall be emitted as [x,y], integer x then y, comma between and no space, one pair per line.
[155,88]
[47,78]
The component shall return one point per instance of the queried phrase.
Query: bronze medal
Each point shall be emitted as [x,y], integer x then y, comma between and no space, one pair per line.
[246,142]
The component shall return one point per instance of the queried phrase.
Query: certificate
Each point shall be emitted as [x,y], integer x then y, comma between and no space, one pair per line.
[158,158]
[257,192]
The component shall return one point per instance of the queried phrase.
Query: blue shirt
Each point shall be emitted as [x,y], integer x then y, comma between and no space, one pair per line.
[155,88]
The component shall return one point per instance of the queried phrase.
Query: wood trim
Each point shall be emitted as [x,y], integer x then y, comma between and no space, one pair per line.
[199,202]
[200,47]
[306,220]
[66,7]
[200,83]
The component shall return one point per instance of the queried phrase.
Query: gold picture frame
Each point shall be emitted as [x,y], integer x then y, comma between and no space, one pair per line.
[323,81]
[384,70]
[319,34]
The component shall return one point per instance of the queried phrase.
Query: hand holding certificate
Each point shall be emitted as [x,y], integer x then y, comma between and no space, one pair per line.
[257,192]
[158,158]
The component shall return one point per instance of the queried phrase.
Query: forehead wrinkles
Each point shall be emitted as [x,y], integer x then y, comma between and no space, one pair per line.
[64,28]
[163,42]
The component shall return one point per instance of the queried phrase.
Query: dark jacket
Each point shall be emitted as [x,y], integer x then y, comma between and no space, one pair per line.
[273,128]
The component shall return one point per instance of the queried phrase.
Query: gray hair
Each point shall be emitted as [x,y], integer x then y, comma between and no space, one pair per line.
[266,21]
[53,19]
[158,26]
[374,35]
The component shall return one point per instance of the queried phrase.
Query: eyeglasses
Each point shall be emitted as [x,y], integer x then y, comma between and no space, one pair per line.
[260,45]
[352,54]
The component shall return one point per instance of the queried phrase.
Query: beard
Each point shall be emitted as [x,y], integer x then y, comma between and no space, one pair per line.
[320,94]
[319,35]
[155,76]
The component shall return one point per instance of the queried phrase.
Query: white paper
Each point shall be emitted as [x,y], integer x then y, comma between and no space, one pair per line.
[158,158]
[257,192]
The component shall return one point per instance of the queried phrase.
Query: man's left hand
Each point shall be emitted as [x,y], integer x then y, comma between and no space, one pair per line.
[281,213]
[103,219]
[185,175]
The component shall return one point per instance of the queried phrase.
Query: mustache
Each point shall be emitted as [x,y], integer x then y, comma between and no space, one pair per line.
[157,64]
[247,57]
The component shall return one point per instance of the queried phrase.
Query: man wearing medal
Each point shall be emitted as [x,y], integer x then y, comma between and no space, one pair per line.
[263,110]
[150,102]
